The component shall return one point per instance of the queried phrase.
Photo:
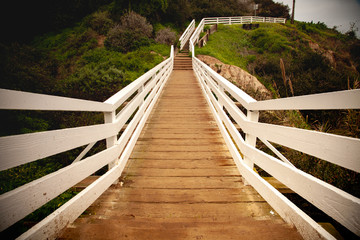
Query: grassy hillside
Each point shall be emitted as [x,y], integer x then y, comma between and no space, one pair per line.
[316,59]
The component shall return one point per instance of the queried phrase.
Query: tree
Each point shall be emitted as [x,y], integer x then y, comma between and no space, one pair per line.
[147,8]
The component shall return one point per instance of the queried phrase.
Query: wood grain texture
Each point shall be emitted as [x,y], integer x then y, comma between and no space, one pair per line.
[180,182]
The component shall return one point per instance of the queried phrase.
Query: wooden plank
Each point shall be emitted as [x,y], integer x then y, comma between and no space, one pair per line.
[307,227]
[182,182]
[168,228]
[54,223]
[315,190]
[50,226]
[183,210]
[24,148]
[182,155]
[178,148]
[17,100]
[344,207]
[163,189]
[235,195]
[340,150]
[36,193]
[117,99]
[182,163]
[187,172]
[182,142]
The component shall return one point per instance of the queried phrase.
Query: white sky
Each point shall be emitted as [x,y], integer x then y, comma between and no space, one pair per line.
[332,12]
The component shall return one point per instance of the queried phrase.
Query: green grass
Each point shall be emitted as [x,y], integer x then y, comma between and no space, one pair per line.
[100,73]
[224,43]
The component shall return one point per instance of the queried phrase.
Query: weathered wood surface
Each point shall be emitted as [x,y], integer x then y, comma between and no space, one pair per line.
[180,182]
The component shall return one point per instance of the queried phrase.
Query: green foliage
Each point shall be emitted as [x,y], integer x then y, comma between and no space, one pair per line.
[233,48]
[268,40]
[67,44]
[101,73]
[100,22]
[149,9]
[18,176]
[311,27]
[26,68]
[33,18]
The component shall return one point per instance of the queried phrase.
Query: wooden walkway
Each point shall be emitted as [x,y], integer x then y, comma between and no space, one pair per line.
[180,182]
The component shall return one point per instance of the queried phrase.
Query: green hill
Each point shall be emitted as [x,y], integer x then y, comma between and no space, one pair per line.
[316,59]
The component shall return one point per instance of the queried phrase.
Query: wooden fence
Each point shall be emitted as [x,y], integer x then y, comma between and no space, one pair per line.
[228,20]
[223,98]
[186,34]
[25,148]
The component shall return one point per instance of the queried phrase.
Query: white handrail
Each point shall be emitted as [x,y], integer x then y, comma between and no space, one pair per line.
[20,149]
[312,189]
[343,151]
[187,34]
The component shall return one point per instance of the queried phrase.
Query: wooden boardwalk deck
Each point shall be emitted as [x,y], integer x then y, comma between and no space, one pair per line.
[180,182]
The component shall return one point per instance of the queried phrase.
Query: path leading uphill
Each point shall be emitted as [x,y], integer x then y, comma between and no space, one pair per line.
[180,181]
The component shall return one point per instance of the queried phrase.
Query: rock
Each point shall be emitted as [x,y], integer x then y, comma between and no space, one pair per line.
[328,54]
[242,79]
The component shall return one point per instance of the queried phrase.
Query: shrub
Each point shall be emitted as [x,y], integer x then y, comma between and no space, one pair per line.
[137,24]
[165,36]
[132,33]
[100,22]
[124,40]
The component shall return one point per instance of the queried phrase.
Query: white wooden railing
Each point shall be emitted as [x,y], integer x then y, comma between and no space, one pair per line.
[187,34]
[340,150]
[21,149]
[229,20]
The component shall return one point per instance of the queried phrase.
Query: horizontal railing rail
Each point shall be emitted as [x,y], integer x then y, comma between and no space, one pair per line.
[229,20]
[242,20]
[20,149]
[187,34]
[224,98]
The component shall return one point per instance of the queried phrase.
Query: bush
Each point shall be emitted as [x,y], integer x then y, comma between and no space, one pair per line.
[137,24]
[100,22]
[165,36]
[132,33]
[123,40]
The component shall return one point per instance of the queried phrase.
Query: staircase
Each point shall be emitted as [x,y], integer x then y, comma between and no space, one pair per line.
[184,160]
[180,181]
[183,61]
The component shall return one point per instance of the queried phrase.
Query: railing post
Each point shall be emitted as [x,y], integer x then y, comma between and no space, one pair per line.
[222,91]
[110,117]
[251,139]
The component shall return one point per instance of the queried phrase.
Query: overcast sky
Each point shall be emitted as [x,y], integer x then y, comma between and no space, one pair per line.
[332,12]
